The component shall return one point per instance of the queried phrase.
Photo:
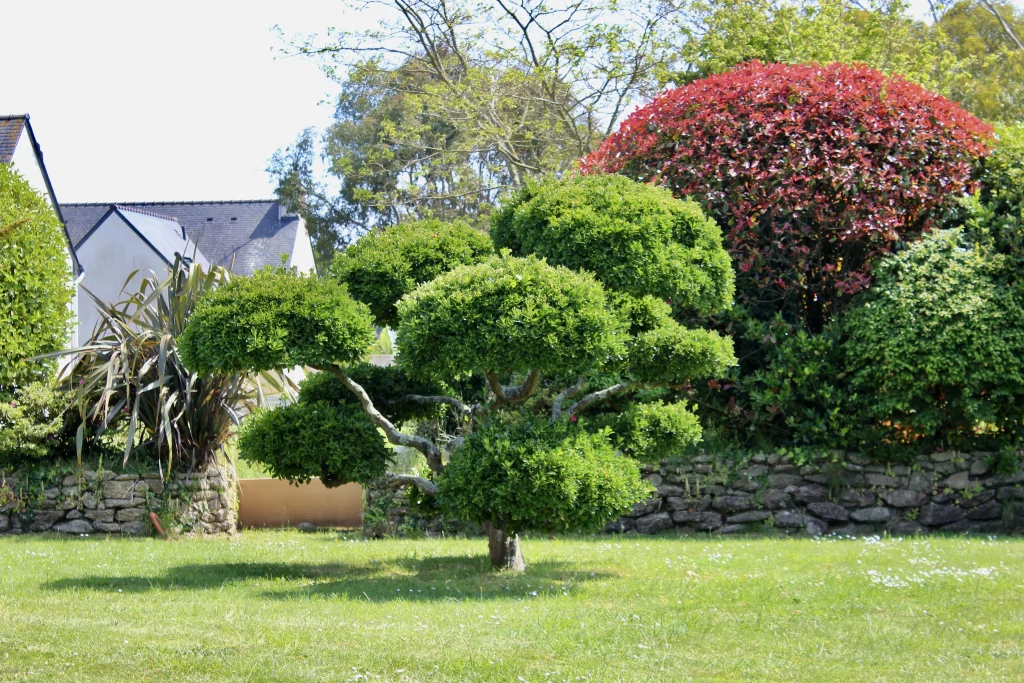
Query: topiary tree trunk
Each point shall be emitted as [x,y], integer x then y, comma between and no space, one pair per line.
[505,550]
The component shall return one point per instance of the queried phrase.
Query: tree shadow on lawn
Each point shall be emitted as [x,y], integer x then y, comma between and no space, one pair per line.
[436,578]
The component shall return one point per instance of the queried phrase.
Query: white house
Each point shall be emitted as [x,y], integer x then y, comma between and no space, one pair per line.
[114,240]
[20,148]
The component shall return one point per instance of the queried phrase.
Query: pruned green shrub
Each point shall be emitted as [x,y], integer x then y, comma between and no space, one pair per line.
[650,432]
[275,319]
[297,442]
[521,474]
[507,314]
[35,283]
[635,238]
[936,348]
[384,266]
[32,424]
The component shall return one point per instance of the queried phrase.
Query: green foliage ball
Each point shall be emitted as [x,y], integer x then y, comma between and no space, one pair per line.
[635,238]
[651,432]
[673,353]
[297,442]
[275,319]
[995,218]
[936,349]
[35,282]
[507,314]
[521,473]
[32,424]
[384,266]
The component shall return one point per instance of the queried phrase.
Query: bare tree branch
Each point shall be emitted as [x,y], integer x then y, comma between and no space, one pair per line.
[565,395]
[430,451]
[1007,29]
[600,396]
[396,481]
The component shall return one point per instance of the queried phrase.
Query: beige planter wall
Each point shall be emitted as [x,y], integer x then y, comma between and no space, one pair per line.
[276,503]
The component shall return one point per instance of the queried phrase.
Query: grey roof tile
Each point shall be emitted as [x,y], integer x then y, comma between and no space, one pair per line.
[245,235]
[10,133]
[164,235]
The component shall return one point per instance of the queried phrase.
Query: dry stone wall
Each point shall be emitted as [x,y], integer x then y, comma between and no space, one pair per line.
[89,502]
[945,491]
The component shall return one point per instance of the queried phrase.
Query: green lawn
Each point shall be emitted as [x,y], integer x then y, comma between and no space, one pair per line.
[284,606]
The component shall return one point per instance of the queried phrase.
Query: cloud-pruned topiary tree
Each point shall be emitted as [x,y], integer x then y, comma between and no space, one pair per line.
[552,343]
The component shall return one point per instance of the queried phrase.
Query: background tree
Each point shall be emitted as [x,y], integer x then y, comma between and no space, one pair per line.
[446,104]
[552,345]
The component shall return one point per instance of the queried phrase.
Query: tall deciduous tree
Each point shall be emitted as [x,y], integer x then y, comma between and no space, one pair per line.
[447,103]
[554,347]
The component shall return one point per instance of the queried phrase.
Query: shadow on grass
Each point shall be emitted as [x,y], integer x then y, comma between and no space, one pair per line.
[436,578]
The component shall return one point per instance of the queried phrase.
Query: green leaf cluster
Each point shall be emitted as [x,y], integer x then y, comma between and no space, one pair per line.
[35,283]
[507,314]
[635,238]
[299,441]
[32,424]
[522,473]
[938,344]
[651,432]
[384,266]
[275,319]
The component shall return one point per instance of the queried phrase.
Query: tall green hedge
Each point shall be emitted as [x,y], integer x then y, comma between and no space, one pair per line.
[35,282]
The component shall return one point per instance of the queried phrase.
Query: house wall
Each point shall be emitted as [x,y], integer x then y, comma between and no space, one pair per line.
[109,255]
[302,251]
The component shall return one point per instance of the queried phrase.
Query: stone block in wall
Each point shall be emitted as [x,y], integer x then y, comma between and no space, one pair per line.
[989,510]
[133,528]
[106,515]
[107,527]
[921,481]
[776,500]
[905,527]
[943,456]
[73,514]
[957,482]
[1011,493]
[882,480]
[122,489]
[939,515]
[652,524]
[829,511]
[130,514]
[857,498]
[872,515]
[76,526]
[975,500]
[155,485]
[749,517]
[810,493]
[748,485]
[903,498]
[654,478]
[703,521]
[814,527]
[789,519]
[46,519]
[5,523]
[732,503]
[666,490]
[781,481]
[754,471]
[979,467]
[645,508]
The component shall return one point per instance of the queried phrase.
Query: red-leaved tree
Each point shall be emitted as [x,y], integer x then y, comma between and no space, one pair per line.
[811,171]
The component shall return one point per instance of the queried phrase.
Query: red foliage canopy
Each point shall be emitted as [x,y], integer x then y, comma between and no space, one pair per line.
[811,170]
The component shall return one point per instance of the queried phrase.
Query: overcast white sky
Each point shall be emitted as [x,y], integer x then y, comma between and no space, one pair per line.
[143,100]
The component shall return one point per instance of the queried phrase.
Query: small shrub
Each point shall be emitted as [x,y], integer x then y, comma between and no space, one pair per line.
[521,473]
[32,425]
[384,266]
[937,345]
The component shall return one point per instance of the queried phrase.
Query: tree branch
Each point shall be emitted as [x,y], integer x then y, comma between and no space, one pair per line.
[396,481]
[430,451]
[1007,29]
[563,396]
[447,400]
[522,392]
[600,396]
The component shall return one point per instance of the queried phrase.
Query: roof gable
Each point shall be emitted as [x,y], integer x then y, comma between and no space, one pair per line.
[10,133]
[242,235]
[160,233]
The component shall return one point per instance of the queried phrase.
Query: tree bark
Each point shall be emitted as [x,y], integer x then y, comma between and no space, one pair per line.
[505,550]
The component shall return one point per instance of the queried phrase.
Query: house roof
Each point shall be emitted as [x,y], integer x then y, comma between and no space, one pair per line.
[10,133]
[163,234]
[11,127]
[242,235]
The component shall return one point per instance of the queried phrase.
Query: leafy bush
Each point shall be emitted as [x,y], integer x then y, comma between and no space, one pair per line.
[521,473]
[384,266]
[650,432]
[35,283]
[995,217]
[32,424]
[937,345]
[813,171]
[508,314]
[275,319]
[635,238]
[297,442]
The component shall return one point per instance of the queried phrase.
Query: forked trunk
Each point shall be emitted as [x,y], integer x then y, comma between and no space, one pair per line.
[505,550]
